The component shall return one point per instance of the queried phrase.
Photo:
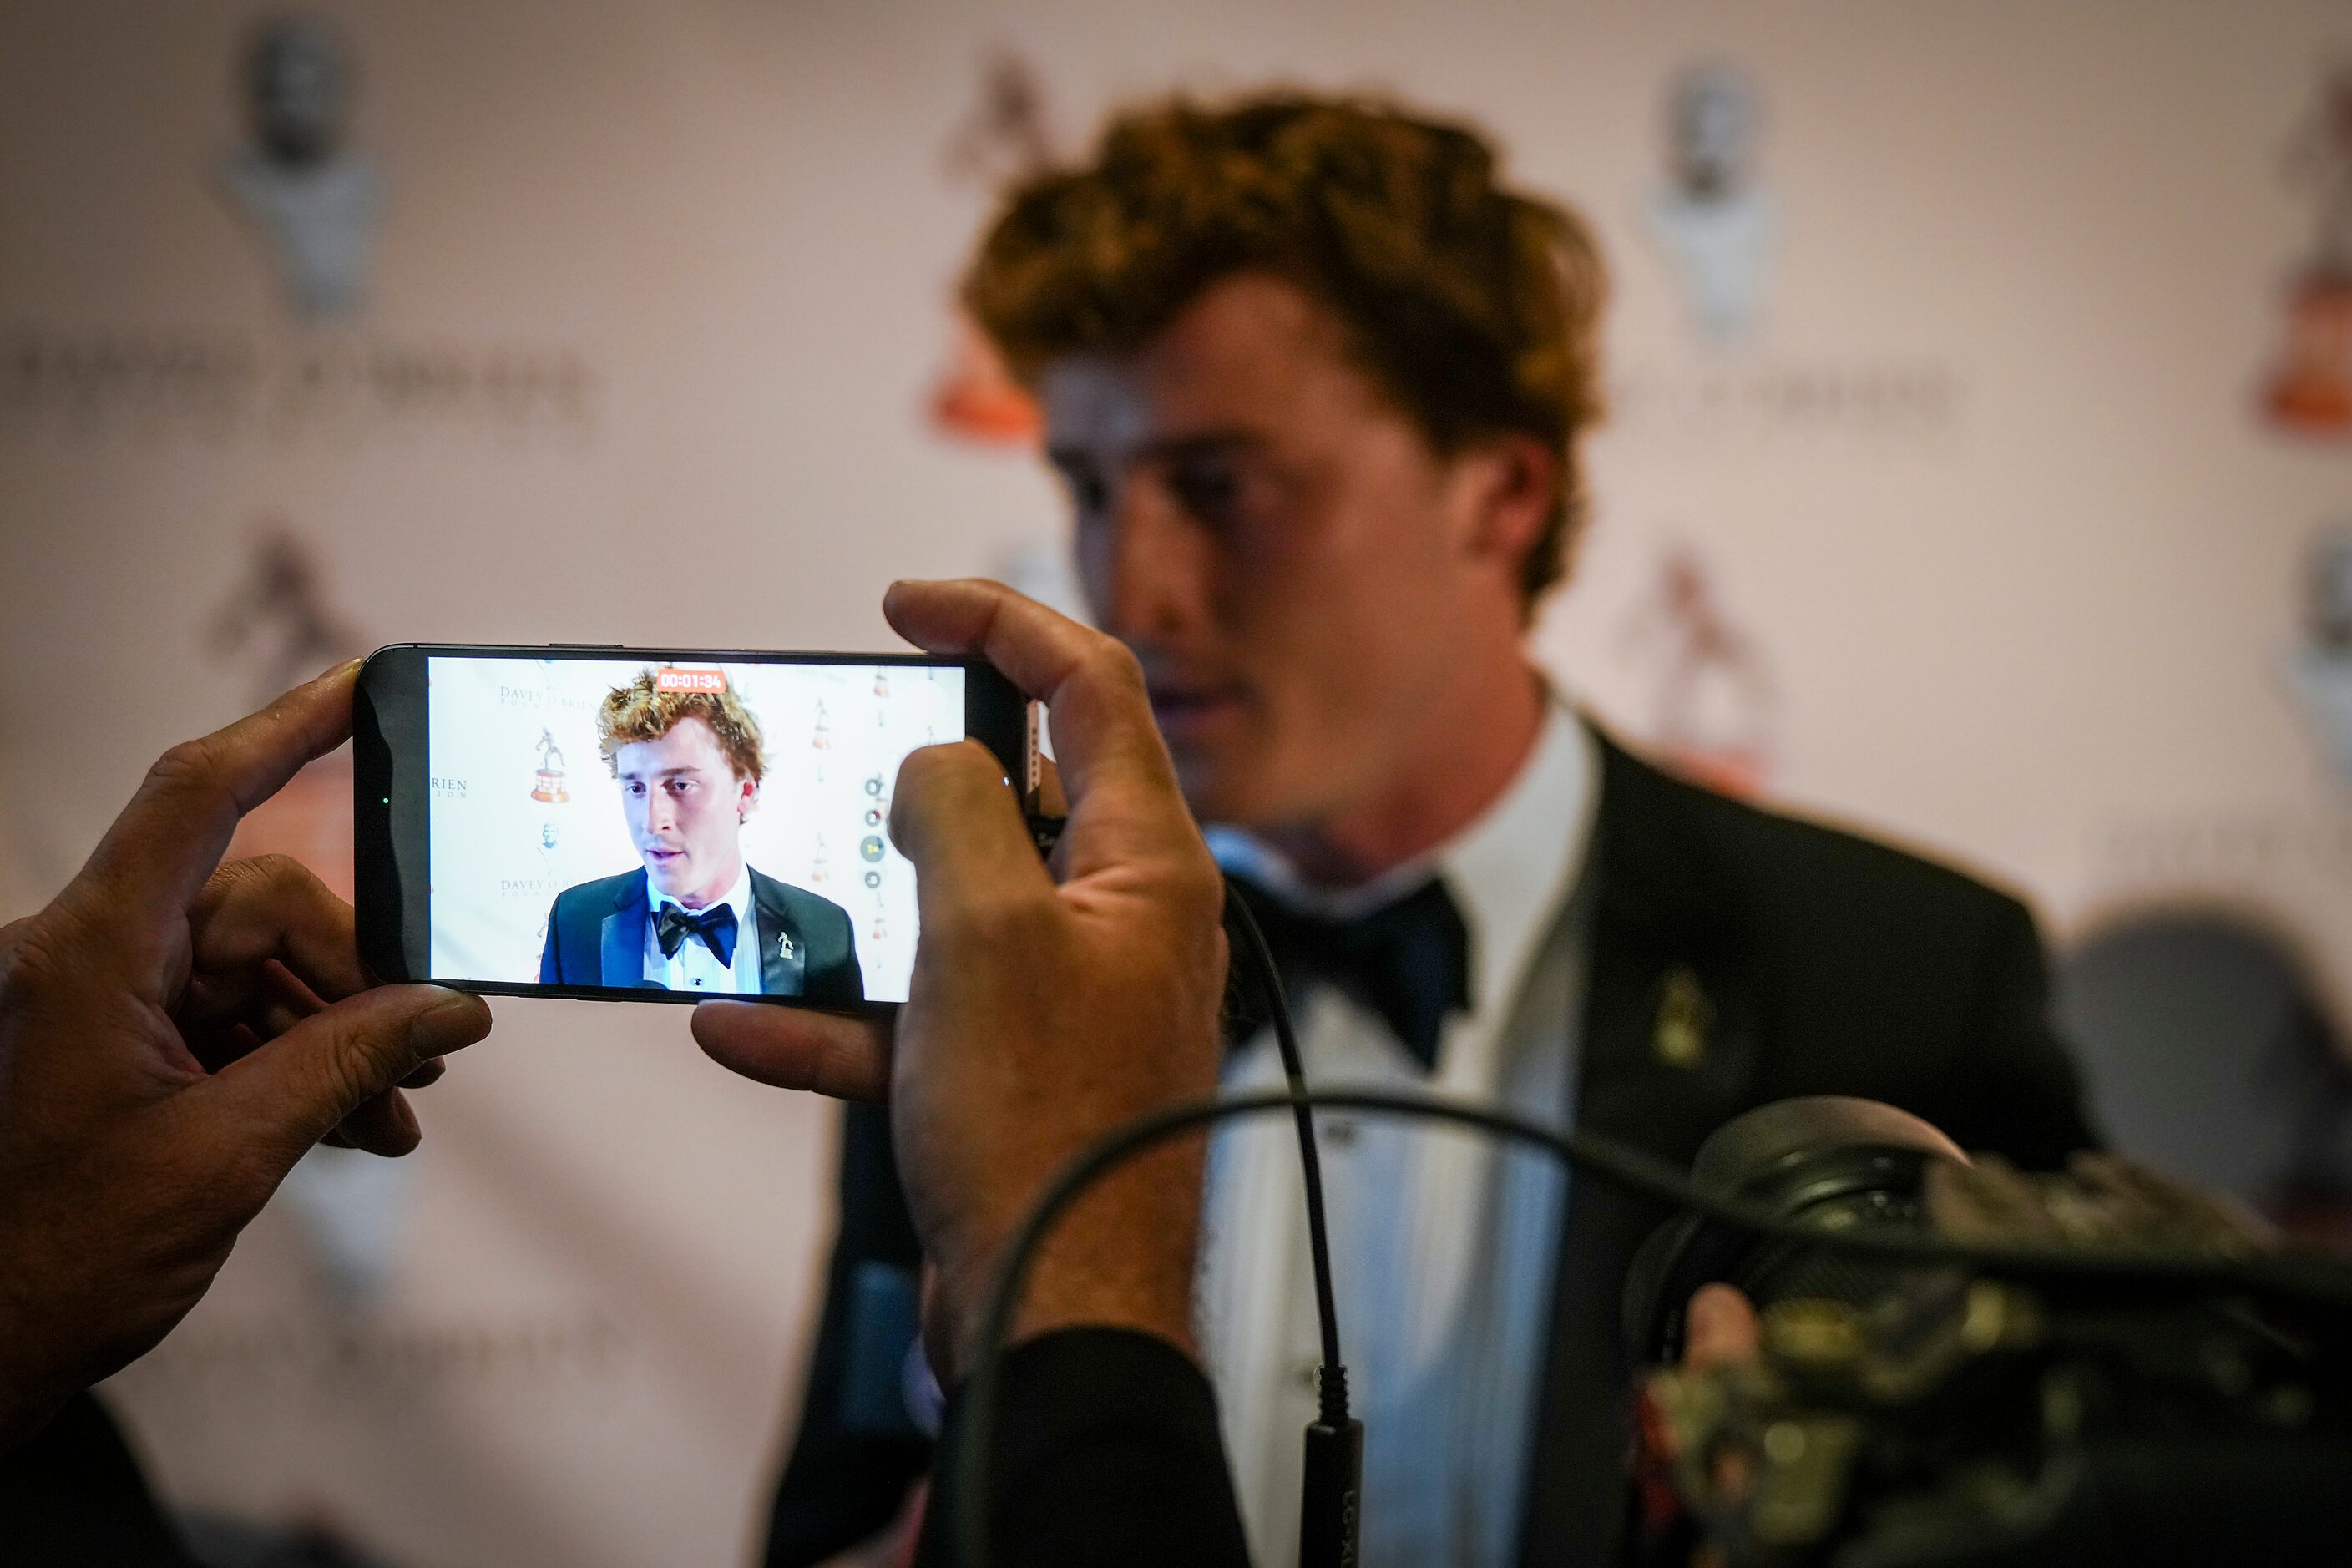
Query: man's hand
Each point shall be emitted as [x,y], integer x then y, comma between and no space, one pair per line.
[1040,1015]
[172,1037]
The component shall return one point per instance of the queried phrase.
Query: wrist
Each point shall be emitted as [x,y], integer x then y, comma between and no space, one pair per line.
[1122,1256]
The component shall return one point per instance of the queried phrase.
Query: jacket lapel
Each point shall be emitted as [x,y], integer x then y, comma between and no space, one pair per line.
[622,941]
[783,948]
[1670,1030]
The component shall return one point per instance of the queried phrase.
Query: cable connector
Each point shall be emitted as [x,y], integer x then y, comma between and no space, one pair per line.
[1331,1503]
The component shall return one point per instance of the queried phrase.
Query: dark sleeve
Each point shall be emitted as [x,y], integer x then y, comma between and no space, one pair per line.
[856,1451]
[2026,1094]
[1106,1451]
[72,1493]
[550,966]
[838,978]
[853,974]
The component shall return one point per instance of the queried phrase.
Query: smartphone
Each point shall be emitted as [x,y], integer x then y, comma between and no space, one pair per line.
[653,824]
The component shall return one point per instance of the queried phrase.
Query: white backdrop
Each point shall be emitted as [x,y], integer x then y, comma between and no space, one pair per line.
[1986,500]
[832,736]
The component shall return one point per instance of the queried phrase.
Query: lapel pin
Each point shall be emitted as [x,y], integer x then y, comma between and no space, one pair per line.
[785,945]
[1685,1019]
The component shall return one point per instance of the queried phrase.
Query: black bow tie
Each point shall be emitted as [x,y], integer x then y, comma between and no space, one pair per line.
[1408,962]
[715,926]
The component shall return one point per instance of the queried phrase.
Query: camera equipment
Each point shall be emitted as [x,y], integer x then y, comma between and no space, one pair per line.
[1924,1411]
[2203,1409]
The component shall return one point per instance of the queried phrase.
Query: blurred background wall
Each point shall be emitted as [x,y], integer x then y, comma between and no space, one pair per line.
[1983,419]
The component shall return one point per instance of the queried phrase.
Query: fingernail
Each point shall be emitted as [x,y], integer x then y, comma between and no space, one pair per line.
[332,671]
[456,1020]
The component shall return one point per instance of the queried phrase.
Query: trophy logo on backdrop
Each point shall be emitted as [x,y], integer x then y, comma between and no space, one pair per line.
[305,202]
[1714,710]
[310,196]
[2319,670]
[548,783]
[1005,137]
[279,625]
[1716,228]
[2310,389]
[278,620]
[1713,222]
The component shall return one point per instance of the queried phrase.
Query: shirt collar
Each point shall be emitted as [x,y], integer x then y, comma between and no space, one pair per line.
[1508,870]
[739,897]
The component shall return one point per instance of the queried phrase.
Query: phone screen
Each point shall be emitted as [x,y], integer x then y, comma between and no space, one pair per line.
[644,823]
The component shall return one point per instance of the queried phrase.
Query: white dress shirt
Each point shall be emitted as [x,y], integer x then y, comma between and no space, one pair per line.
[1443,1245]
[694,967]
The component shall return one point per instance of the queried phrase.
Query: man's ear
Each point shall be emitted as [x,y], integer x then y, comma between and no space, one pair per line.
[747,798]
[1512,480]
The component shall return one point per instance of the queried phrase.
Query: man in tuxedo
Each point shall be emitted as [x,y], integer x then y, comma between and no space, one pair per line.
[696,917]
[1315,378]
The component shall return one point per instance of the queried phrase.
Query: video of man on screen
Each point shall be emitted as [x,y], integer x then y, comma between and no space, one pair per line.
[729,838]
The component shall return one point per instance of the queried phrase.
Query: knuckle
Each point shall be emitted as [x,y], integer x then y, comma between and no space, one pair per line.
[1111,665]
[280,873]
[31,962]
[274,878]
[186,767]
[351,1069]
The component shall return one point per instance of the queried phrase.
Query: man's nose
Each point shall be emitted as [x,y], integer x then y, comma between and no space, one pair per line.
[661,815]
[1150,585]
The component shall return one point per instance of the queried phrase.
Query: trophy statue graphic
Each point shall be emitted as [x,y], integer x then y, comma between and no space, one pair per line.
[311,197]
[1713,221]
[549,786]
[2319,672]
[1714,705]
[279,625]
[1006,139]
[2310,391]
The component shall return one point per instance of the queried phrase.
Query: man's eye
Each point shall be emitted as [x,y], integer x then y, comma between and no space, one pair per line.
[1090,495]
[1212,492]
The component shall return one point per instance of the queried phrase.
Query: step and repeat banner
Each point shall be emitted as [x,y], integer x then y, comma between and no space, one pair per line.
[1978,473]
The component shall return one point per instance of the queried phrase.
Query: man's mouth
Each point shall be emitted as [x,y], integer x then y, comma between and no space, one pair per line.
[1184,708]
[665,856]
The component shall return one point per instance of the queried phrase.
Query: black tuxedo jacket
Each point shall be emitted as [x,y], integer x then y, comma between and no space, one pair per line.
[596,936]
[1738,957]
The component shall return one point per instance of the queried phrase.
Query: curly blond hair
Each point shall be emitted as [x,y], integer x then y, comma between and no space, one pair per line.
[1473,307]
[638,712]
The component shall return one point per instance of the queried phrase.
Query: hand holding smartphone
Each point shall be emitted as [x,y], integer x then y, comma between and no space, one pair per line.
[652,825]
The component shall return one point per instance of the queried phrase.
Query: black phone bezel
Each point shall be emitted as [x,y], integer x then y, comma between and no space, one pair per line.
[391,793]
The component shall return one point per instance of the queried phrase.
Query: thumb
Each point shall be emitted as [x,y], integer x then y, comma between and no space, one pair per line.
[294,1091]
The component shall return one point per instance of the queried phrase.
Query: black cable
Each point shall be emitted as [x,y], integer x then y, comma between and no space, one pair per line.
[2315,1279]
[1331,1377]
